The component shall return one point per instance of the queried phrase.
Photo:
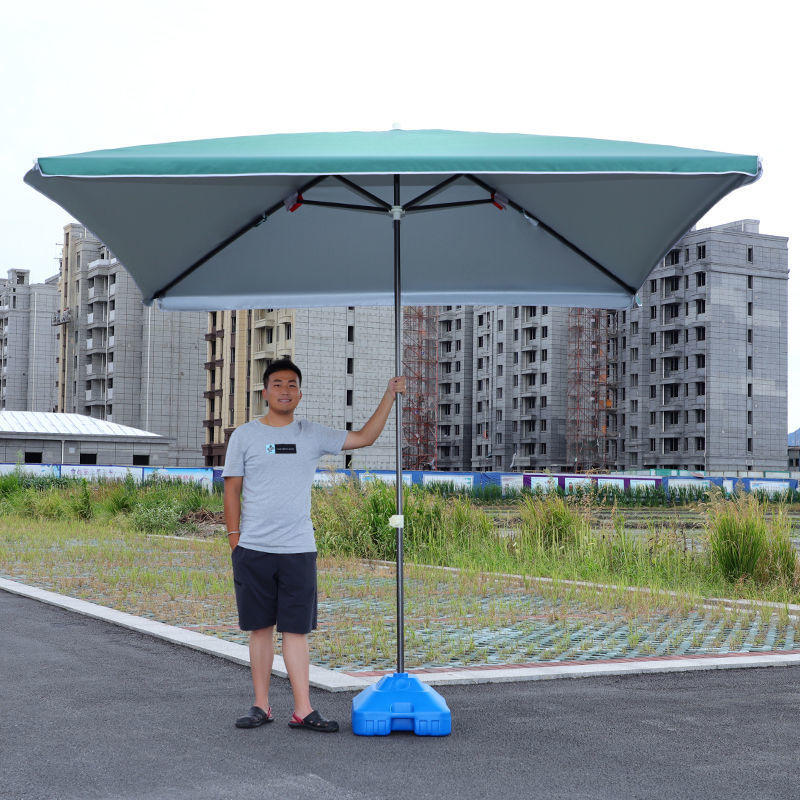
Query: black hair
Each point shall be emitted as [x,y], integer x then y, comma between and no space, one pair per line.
[280,365]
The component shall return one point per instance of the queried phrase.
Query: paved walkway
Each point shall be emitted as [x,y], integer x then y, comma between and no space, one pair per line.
[91,710]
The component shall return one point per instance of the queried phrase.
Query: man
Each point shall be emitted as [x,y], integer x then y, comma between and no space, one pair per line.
[269,470]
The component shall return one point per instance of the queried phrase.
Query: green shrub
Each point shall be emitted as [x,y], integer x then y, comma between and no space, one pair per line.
[82,503]
[738,537]
[551,521]
[161,516]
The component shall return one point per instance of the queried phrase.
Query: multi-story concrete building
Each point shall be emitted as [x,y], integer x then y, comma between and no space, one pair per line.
[455,432]
[693,378]
[119,360]
[346,356]
[505,407]
[703,360]
[28,342]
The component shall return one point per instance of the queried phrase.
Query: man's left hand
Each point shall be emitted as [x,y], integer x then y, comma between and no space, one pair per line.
[397,386]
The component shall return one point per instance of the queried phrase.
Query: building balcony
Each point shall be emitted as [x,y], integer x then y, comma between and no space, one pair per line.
[96,265]
[213,364]
[214,333]
[212,423]
[97,293]
[112,315]
[95,344]
[212,393]
[109,394]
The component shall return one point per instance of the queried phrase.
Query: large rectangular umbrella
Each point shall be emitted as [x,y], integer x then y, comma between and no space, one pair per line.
[301,220]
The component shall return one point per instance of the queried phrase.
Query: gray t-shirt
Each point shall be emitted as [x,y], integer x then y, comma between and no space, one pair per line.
[278,466]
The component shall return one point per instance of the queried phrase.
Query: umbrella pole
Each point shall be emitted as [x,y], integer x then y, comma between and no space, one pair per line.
[398,366]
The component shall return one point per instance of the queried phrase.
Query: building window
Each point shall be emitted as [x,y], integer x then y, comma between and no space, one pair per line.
[750,362]
[750,336]
[653,286]
[699,415]
[543,449]
[700,306]
[700,334]
[749,389]
[700,360]
[700,279]
[33,457]
[750,260]
[544,327]
[749,445]
[349,400]
[88,458]
[349,366]
[700,388]
[351,333]
[673,258]
[141,460]
[701,252]
[653,312]
[750,309]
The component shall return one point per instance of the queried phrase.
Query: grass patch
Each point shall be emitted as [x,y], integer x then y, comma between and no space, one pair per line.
[452,617]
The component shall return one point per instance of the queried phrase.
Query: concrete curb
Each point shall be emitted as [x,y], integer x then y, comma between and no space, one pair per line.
[332,681]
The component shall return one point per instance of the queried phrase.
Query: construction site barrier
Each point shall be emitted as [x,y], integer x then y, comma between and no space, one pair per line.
[509,481]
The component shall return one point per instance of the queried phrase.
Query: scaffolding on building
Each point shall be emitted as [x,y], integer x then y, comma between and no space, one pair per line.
[591,389]
[421,400]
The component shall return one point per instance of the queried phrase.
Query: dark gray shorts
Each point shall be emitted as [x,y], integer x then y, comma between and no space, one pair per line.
[275,589]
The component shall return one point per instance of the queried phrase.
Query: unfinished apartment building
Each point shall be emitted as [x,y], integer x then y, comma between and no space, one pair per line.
[702,363]
[27,342]
[694,377]
[502,398]
[346,355]
[121,361]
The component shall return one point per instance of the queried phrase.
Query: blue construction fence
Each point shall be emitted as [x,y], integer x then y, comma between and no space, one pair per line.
[509,481]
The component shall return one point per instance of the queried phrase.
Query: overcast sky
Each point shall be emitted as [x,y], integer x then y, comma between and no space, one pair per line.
[86,75]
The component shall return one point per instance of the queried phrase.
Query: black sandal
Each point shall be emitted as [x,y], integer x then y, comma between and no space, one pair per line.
[255,717]
[314,722]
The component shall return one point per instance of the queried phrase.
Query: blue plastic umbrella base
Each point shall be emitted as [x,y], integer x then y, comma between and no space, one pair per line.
[400,702]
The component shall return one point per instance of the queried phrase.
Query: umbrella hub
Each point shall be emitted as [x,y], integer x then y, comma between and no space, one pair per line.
[397,212]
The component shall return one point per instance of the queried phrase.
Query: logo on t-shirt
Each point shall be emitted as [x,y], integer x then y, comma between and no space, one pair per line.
[280,449]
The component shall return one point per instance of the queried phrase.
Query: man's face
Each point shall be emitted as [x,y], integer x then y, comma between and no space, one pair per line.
[283,391]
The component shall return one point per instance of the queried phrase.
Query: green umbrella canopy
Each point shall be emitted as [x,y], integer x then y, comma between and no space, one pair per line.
[514,219]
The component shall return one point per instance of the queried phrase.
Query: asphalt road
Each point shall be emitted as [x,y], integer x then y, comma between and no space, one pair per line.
[90,710]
